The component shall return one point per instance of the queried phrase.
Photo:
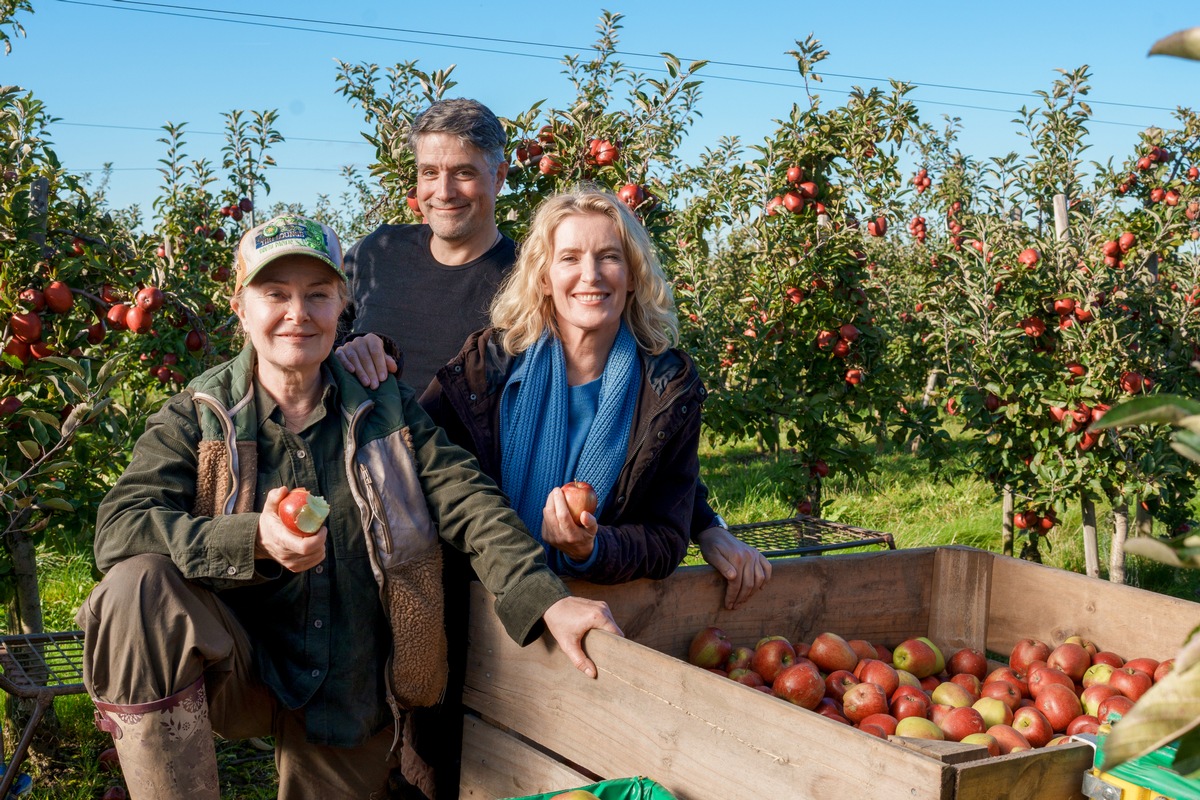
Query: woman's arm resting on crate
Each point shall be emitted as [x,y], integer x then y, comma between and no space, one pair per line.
[744,568]
[570,619]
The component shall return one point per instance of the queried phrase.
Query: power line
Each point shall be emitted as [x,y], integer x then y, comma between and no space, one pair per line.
[224,14]
[201,133]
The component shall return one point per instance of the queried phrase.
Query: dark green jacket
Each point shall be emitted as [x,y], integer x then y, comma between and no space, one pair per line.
[322,638]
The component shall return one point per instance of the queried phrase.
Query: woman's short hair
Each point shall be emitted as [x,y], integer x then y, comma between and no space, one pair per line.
[523,311]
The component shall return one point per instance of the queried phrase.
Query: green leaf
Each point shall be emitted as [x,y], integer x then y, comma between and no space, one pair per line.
[56,504]
[29,449]
[1168,710]
[1166,552]
[65,363]
[1142,410]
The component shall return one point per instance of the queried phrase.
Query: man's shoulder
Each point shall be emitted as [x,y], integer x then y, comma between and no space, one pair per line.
[386,237]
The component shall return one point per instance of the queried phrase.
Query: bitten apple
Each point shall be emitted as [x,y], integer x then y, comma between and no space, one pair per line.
[303,513]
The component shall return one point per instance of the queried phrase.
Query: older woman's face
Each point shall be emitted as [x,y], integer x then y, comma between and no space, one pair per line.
[290,311]
[588,278]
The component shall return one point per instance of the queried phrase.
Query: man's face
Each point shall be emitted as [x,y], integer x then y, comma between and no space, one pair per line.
[456,188]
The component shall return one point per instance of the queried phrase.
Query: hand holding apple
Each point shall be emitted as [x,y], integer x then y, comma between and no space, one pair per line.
[303,513]
[275,541]
[567,528]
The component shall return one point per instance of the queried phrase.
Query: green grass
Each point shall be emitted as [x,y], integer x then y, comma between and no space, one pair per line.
[902,498]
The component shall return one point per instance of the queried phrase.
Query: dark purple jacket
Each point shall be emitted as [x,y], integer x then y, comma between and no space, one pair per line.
[645,528]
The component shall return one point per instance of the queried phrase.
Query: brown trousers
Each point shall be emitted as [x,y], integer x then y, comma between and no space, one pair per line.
[149,633]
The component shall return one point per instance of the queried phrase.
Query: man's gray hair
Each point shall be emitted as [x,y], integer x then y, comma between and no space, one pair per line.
[470,121]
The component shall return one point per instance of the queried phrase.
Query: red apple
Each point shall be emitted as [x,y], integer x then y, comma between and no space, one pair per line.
[149,298]
[1094,695]
[1026,651]
[26,327]
[800,684]
[581,498]
[1105,657]
[838,682]
[1163,669]
[1131,682]
[909,702]
[746,676]
[771,657]
[1060,705]
[1146,665]
[885,721]
[1009,739]
[1084,723]
[871,670]
[1003,691]
[59,298]
[969,682]
[1117,704]
[862,648]
[1041,677]
[709,648]
[915,656]
[1069,657]
[303,513]
[862,700]
[1033,725]
[739,658]
[960,723]
[831,652]
[138,320]
[970,661]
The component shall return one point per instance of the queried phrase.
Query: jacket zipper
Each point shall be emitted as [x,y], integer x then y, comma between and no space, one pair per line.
[663,407]
[352,450]
[376,509]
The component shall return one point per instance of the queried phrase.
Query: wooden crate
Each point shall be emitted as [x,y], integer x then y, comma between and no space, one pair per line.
[536,724]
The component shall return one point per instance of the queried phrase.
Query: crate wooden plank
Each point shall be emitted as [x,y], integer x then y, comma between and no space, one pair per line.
[880,596]
[496,764]
[1051,604]
[1050,773]
[958,614]
[699,735]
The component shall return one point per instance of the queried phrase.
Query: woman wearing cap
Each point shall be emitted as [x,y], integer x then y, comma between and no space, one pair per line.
[214,615]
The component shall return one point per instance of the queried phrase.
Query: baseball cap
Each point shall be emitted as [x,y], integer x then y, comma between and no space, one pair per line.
[285,235]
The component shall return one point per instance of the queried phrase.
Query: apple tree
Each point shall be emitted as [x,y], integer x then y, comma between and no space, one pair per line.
[773,275]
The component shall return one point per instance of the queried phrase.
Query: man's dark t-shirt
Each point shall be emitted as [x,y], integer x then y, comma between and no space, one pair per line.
[399,290]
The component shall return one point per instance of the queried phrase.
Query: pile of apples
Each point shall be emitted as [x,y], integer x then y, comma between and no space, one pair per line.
[1042,697]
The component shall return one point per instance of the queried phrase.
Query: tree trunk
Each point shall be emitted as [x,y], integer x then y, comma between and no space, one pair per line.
[25,616]
[1006,522]
[1116,561]
[1091,544]
[1143,523]
[931,383]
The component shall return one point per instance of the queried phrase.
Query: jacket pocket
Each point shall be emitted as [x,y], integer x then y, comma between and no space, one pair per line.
[416,609]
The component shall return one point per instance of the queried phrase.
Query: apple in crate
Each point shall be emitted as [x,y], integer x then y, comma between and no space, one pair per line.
[917,657]
[800,684]
[710,648]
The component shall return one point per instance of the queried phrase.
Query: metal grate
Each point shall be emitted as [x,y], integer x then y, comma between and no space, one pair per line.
[37,661]
[803,535]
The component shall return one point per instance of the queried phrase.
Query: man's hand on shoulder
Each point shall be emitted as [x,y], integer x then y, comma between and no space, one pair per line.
[364,357]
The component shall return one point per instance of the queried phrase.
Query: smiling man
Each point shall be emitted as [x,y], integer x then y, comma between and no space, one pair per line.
[428,286]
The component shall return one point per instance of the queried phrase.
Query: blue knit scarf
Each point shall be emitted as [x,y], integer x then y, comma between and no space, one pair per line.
[533,426]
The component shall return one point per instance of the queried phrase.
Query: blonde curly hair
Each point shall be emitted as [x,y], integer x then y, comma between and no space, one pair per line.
[522,311]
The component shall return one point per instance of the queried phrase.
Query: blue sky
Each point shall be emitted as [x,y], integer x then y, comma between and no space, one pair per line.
[115,70]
